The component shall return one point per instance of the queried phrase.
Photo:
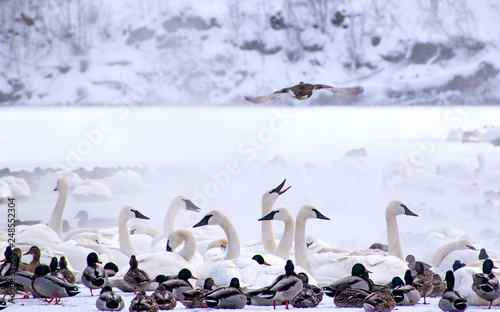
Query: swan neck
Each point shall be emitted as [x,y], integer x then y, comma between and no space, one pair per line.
[169,222]
[189,248]
[233,241]
[56,219]
[393,241]
[301,255]
[444,250]
[267,229]
[284,249]
[126,244]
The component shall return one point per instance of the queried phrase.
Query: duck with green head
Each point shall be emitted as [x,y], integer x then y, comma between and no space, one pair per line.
[359,279]
[485,284]
[452,300]
[227,297]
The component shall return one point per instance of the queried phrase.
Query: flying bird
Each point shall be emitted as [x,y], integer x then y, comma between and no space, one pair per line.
[303,91]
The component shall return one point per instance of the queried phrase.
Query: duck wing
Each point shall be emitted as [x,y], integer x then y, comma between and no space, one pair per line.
[265,98]
[346,91]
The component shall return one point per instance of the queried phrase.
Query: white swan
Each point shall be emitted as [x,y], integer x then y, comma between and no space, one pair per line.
[301,256]
[55,222]
[18,186]
[178,203]
[126,245]
[267,243]
[92,190]
[245,269]
[267,274]
[383,265]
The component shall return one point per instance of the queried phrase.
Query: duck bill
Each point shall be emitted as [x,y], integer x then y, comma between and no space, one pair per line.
[203,221]
[408,212]
[319,215]
[194,277]
[265,263]
[191,206]
[139,215]
[269,216]
[368,271]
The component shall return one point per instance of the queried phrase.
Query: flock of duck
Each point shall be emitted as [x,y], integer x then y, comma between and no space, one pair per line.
[200,270]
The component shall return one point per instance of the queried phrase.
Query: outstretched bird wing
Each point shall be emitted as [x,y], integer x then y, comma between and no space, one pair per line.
[265,98]
[346,91]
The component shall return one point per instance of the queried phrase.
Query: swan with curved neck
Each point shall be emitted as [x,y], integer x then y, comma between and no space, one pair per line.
[56,220]
[268,200]
[178,237]
[216,217]
[126,245]
[284,249]
[178,203]
[301,255]
[395,208]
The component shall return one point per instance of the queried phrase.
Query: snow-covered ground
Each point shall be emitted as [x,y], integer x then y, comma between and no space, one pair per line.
[226,158]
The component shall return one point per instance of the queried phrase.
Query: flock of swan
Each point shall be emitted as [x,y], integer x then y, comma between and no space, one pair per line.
[230,263]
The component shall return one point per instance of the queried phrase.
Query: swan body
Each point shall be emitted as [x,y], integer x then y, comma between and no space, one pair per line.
[18,186]
[383,265]
[92,190]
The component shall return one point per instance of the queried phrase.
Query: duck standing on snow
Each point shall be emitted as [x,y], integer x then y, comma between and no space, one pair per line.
[94,276]
[422,282]
[485,284]
[227,297]
[50,286]
[164,298]
[452,300]
[285,288]
[109,301]
[135,277]
[195,298]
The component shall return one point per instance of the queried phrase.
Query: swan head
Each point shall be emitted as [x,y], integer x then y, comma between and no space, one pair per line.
[176,238]
[129,212]
[214,217]
[396,207]
[310,212]
[92,259]
[184,203]
[270,196]
[279,214]
[62,185]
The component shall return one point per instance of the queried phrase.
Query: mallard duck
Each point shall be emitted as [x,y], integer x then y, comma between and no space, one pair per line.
[421,281]
[22,277]
[35,252]
[310,295]
[180,284]
[227,297]
[452,300]
[303,91]
[457,265]
[438,285]
[94,276]
[405,293]
[195,298]
[23,266]
[50,286]
[348,297]
[66,273]
[111,269]
[143,303]
[8,270]
[485,284]
[135,277]
[109,301]
[381,300]
[164,298]
[285,288]
[359,279]
[54,269]
[483,255]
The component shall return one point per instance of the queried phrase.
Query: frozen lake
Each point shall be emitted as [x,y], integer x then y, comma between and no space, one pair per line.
[226,158]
